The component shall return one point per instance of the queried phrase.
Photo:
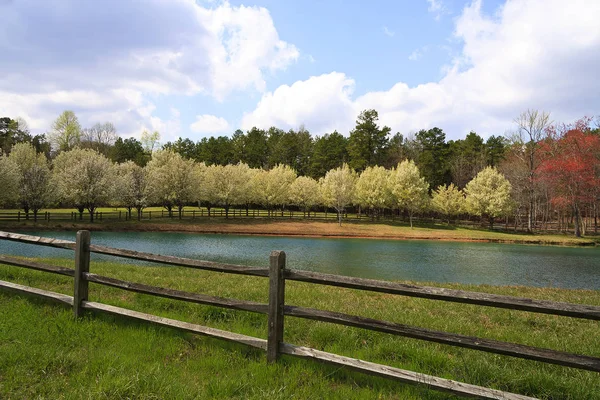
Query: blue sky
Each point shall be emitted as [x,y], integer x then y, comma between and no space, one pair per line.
[199,68]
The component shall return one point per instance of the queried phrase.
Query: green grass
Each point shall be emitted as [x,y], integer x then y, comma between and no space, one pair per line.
[44,353]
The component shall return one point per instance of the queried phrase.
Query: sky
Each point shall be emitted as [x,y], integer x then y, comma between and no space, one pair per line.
[196,69]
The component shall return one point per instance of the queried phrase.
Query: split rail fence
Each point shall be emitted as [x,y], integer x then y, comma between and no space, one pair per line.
[276,310]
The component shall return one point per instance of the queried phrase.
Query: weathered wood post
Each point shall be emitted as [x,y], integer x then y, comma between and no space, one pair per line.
[276,304]
[82,265]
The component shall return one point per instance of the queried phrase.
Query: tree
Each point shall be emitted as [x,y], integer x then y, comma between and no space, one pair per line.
[531,126]
[448,200]
[329,152]
[433,157]
[129,189]
[255,148]
[150,141]
[172,181]
[217,151]
[129,149]
[488,194]
[372,189]
[272,187]
[495,149]
[368,143]
[226,184]
[66,132]
[408,188]
[338,189]
[13,131]
[34,178]
[100,137]
[9,181]
[467,158]
[304,192]
[83,178]
[570,166]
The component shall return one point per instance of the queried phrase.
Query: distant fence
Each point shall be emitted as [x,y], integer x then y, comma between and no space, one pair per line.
[276,309]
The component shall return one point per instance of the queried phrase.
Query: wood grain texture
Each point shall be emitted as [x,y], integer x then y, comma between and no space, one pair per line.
[17,262]
[46,294]
[173,323]
[453,295]
[234,304]
[446,385]
[470,342]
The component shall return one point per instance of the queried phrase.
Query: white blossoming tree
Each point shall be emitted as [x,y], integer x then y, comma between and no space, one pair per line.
[408,188]
[338,189]
[372,189]
[488,195]
[448,200]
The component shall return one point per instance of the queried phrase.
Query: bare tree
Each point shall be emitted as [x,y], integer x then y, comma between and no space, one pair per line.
[531,126]
[100,137]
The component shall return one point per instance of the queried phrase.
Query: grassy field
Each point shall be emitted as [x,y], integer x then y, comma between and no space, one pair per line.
[44,353]
[385,229]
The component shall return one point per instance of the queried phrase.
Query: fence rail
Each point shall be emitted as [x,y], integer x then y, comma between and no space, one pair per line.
[276,310]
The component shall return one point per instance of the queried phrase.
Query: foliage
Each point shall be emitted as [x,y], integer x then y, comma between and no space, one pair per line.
[433,157]
[305,193]
[367,144]
[372,189]
[172,181]
[448,200]
[129,149]
[225,184]
[488,194]
[329,152]
[570,166]
[273,187]
[150,141]
[66,132]
[35,191]
[83,178]
[408,188]
[338,189]
[9,181]
[129,189]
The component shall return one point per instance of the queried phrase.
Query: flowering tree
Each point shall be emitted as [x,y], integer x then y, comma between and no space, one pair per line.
[9,181]
[488,194]
[408,188]
[172,181]
[448,200]
[305,193]
[83,178]
[372,189]
[226,184]
[129,189]
[338,189]
[34,178]
[272,187]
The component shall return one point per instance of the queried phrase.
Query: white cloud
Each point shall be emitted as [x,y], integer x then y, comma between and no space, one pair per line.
[59,55]
[322,103]
[209,124]
[540,54]
[388,32]
[417,54]
[436,7]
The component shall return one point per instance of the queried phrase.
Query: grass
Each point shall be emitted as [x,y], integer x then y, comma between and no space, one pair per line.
[300,227]
[44,353]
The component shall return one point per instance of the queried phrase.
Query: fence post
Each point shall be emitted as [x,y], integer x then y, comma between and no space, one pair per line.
[276,304]
[82,265]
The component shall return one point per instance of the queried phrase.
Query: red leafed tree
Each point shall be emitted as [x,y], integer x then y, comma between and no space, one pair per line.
[571,167]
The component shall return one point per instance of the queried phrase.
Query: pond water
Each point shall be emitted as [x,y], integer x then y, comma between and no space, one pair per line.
[423,261]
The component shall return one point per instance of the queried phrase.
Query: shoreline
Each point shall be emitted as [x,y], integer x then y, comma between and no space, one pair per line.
[315,229]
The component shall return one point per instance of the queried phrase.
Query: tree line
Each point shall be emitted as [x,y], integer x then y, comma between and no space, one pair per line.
[533,159]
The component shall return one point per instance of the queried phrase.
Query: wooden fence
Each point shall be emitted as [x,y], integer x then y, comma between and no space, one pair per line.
[276,310]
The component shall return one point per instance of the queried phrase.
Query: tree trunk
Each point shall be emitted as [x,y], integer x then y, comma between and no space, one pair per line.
[576,217]
[410,215]
[340,217]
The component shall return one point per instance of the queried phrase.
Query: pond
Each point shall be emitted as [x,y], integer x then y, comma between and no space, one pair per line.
[422,261]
